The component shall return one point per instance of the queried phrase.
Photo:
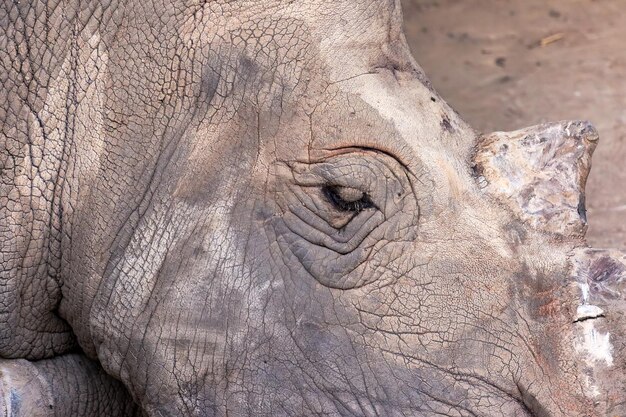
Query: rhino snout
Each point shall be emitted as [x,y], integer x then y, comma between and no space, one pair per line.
[540,173]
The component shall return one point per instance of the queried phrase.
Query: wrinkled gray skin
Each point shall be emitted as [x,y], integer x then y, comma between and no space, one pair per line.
[262,208]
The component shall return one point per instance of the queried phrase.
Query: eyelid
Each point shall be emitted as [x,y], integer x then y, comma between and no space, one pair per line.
[376,175]
[340,203]
[350,194]
[327,173]
[316,203]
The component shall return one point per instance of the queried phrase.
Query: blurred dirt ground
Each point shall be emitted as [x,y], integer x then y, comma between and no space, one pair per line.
[508,64]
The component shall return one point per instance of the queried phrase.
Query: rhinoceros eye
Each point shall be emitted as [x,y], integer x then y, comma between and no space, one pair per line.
[335,213]
[347,190]
[347,199]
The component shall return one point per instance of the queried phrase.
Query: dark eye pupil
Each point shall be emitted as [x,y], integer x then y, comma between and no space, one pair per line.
[333,194]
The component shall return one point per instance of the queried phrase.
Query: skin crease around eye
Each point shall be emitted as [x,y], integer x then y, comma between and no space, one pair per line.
[344,192]
[332,215]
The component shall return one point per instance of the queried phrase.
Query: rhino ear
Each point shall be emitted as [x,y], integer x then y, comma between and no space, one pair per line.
[540,173]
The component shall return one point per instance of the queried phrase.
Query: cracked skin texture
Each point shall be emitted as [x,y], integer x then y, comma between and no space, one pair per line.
[243,208]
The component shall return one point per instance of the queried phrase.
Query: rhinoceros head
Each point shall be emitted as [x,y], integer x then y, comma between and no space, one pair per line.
[272,213]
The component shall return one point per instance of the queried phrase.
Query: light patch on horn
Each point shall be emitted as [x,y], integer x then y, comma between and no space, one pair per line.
[591,344]
[585,310]
[600,278]
[540,173]
[594,345]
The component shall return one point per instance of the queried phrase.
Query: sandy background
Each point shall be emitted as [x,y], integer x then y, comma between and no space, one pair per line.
[487,59]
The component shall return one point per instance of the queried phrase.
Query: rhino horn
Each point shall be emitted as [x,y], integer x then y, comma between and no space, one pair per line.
[540,173]
[600,326]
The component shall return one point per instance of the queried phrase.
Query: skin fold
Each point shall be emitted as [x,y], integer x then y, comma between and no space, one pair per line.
[263,208]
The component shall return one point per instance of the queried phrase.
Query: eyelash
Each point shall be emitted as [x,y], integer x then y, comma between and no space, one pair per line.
[332,195]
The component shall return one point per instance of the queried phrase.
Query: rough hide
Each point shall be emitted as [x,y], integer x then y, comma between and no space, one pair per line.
[262,208]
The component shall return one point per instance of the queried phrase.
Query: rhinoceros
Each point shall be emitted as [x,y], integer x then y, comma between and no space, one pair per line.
[263,208]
